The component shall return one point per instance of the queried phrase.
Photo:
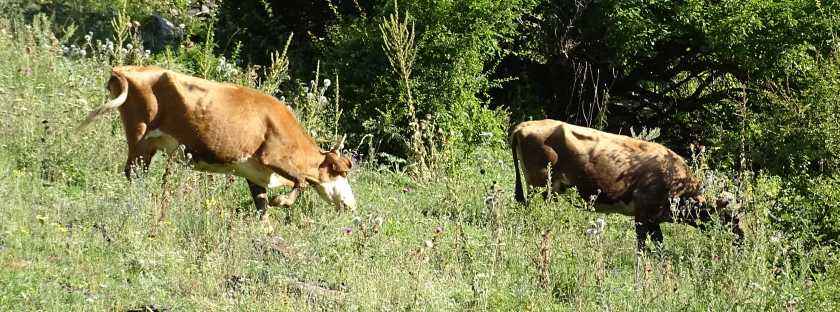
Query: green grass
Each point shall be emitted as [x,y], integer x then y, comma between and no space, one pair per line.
[74,234]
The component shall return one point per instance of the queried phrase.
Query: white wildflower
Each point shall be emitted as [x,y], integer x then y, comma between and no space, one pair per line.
[601,224]
[596,228]
[776,237]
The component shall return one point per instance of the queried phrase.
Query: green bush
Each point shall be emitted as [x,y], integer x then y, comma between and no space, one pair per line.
[797,129]
[808,209]
[456,44]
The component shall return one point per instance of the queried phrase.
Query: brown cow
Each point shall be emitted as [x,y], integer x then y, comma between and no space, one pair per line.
[625,175]
[223,128]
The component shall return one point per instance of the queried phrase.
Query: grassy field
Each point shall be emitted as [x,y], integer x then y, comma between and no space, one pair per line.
[75,235]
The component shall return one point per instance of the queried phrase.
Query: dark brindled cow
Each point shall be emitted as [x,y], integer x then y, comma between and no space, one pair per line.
[628,176]
[223,128]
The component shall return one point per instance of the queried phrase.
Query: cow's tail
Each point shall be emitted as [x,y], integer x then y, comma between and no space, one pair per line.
[112,104]
[519,193]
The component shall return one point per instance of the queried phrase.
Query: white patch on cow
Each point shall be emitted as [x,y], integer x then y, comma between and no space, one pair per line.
[338,192]
[250,169]
[627,209]
[245,166]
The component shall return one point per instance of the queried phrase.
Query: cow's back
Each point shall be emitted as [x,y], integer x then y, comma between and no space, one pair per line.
[217,122]
[619,165]
[613,167]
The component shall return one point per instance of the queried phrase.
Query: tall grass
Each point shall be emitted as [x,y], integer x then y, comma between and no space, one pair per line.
[74,234]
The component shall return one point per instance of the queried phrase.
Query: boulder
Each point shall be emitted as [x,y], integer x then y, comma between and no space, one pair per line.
[158,33]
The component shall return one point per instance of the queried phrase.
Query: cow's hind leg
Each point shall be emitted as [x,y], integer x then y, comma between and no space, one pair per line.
[260,197]
[139,153]
[165,193]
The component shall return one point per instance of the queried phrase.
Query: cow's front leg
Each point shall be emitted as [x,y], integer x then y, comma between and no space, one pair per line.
[645,229]
[287,200]
[655,233]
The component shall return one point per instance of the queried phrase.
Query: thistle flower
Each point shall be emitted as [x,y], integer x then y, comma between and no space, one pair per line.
[600,223]
[596,228]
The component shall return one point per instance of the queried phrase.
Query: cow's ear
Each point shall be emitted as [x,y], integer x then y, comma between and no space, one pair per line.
[339,165]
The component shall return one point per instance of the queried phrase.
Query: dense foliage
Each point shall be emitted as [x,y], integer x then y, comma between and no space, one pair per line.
[757,81]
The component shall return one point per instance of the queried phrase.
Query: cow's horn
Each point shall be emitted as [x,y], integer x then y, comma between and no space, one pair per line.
[340,144]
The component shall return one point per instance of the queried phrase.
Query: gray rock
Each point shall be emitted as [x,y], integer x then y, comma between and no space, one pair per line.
[158,33]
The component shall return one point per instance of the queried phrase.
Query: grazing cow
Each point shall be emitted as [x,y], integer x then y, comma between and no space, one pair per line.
[625,175]
[223,128]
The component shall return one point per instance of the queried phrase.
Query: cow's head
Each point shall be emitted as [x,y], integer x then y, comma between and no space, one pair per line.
[333,185]
[727,207]
[701,211]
